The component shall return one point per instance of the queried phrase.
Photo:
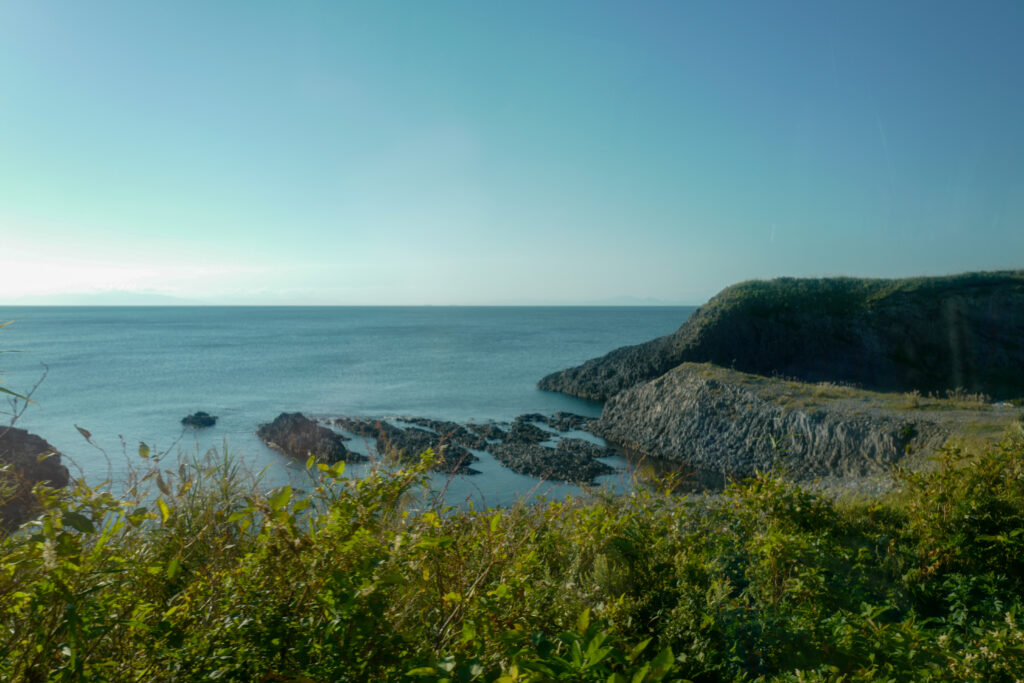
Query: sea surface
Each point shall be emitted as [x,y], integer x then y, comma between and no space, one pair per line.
[128,375]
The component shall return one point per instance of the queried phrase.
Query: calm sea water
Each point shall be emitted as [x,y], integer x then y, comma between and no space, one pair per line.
[129,375]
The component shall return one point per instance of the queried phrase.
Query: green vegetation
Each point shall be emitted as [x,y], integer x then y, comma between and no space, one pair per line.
[846,295]
[196,573]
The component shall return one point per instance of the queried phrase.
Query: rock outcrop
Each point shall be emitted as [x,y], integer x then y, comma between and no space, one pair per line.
[719,420]
[929,334]
[296,435]
[26,460]
[548,463]
[199,420]
[406,445]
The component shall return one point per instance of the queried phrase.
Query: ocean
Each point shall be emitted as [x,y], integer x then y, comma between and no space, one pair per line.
[128,375]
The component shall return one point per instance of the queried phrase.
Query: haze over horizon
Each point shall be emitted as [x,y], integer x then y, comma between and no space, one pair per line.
[460,153]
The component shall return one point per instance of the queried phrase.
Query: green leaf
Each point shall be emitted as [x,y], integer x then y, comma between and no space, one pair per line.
[143,450]
[162,485]
[280,498]
[661,664]
[310,461]
[78,522]
[173,567]
[637,649]
[11,393]
[239,514]
[165,512]
[84,432]
[583,622]
[422,671]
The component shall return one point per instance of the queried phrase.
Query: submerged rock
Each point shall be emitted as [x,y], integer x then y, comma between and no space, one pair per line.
[565,422]
[26,460]
[548,463]
[585,448]
[525,432]
[199,420]
[406,445]
[296,435]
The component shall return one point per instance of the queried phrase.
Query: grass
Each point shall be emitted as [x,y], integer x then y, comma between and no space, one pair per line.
[196,572]
[844,295]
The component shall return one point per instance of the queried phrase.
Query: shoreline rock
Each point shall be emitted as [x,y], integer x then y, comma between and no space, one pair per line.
[732,423]
[406,445]
[20,453]
[549,463]
[297,436]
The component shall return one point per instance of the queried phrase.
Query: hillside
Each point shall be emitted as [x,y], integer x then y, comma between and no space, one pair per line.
[930,334]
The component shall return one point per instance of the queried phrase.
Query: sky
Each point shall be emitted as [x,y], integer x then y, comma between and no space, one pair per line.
[521,152]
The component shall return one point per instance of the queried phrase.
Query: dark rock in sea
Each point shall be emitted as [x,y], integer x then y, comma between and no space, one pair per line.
[488,431]
[406,445]
[929,334]
[22,469]
[199,420]
[719,420]
[585,448]
[296,435]
[565,422]
[532,417]
[548,463]
[525,432]
[450,430]
[368,429]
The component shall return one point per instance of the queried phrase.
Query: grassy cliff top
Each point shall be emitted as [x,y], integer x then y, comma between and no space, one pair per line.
[844,294]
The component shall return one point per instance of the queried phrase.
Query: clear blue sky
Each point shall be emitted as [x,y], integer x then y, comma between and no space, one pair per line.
[503,152]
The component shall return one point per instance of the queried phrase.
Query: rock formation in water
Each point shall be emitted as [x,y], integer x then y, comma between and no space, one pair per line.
[548,463]
[927,334]
[199,420]
[407,444]
[296,435]
[26,460]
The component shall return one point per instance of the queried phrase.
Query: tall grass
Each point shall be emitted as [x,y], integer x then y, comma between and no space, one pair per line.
[199,572]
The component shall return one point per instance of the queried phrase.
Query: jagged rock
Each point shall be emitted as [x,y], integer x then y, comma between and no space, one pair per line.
[585,448]
[296,435]
[199,420]
[548,463]
[532,417]
[450,430]
[368,429]
[489,431]
[407,445]
[929,334]
[20,453]
[564,422]
[735,423]
[525,432]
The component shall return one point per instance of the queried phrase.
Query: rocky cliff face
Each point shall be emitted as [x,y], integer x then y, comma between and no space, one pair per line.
[26,460]
[928,334]
[728,422]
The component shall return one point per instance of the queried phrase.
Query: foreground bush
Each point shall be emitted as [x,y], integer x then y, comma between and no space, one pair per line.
[199,574]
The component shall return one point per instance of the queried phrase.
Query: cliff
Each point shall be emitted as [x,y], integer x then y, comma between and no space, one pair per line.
[25,460]
[927,334]
[725,422]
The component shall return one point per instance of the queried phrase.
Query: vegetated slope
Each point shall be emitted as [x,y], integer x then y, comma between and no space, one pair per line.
[930,334]
[733,424]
